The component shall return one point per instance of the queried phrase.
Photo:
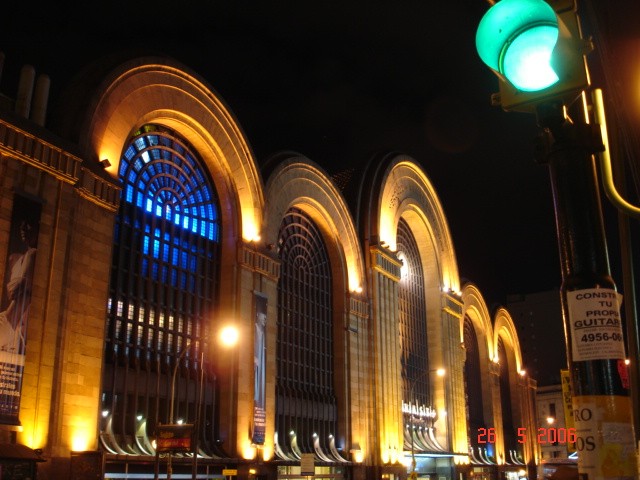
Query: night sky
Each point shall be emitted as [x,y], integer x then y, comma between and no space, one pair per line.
[337,82]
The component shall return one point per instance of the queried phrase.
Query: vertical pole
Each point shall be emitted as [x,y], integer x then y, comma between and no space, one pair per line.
[626,254]
[156,466]
[196,440]
[591,312]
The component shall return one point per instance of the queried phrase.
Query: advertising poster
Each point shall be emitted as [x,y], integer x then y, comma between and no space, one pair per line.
[14,308]
[595,324]
[259,370]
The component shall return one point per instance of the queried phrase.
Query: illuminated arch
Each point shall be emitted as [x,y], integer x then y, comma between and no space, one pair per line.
[161,91]
[401,189]
[298,182]
[504,328]
[475,308]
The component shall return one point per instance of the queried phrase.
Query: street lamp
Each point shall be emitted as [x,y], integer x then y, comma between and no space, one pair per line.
[229,336]
[439,372]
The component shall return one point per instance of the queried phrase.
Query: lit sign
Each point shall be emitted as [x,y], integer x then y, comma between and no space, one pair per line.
[174,438]
[422,411]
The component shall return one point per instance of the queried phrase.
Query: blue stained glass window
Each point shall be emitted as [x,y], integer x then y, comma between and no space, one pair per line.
[128,194]
[166,182]
[129,152]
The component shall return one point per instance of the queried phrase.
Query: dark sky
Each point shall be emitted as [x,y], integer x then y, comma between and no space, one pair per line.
[338,81]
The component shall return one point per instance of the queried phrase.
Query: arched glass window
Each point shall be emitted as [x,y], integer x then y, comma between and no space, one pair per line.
[473,385]
[412,310]
[162,295]
[412,318]
[508,424]
[305,397]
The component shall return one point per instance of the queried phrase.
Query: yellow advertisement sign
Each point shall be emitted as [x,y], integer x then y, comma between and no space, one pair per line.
[604,437]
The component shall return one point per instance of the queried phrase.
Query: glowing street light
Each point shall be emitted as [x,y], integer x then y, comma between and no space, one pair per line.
[229,337]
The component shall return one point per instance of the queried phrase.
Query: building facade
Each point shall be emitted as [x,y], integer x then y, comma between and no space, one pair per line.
[142,224]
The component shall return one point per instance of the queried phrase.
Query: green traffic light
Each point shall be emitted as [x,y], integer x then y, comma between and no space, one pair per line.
[526,62]
[516,39]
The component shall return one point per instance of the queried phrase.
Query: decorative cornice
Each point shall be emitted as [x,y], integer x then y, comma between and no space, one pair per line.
[385,262]
[97,190]
[257,261]
[452,304]
[27,148]
[359,307]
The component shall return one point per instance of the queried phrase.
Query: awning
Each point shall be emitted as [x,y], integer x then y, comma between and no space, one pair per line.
[16,451]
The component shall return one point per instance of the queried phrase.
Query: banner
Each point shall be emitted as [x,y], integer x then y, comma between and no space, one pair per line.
[14,309]
[259,371]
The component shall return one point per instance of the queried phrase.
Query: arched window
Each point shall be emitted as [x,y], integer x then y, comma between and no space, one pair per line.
[412,309]
[305,395]
[412,318]
[508,424]
[473,385]
[162,295]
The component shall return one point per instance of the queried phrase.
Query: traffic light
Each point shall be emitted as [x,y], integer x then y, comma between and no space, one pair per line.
[536,50]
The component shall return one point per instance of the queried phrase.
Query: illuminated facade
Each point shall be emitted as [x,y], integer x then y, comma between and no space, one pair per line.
[359,349]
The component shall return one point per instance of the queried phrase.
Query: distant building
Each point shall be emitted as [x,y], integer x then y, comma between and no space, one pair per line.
[538,320]
[554,435]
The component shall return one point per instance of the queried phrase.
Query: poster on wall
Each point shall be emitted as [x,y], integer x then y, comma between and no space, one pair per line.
[14,307]
[259,370]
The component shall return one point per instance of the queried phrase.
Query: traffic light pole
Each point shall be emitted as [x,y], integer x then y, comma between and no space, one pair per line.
[591,313]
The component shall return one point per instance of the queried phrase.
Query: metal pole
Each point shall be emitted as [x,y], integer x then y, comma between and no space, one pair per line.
[171,403]
[591,313]
[156,467]
[608,161]
[196,440]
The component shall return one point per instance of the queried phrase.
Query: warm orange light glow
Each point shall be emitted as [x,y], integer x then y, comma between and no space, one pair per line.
[250,230]
[441,372]
[267,452]
[358,456]
[550,420]
[385,455]
[80,439]
[355,284]
[229,336]
[248,450]
[109,160]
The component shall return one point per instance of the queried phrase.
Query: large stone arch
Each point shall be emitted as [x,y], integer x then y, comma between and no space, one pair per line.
[475,309]
[299,182]
[407,192]
[396,187]
[159,90]
[505,331]
[504,328]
